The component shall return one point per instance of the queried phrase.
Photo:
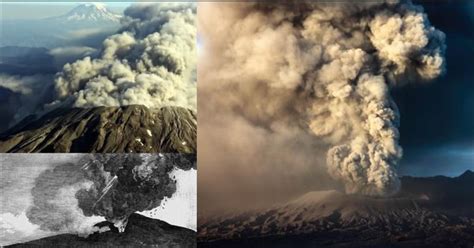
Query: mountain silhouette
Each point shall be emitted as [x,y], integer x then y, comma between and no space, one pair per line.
[141,231]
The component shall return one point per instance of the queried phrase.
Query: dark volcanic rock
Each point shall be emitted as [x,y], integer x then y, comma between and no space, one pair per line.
[428,212]
[140,232]
[133,128]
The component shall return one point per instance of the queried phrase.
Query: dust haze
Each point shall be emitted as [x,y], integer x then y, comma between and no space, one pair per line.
[296,96]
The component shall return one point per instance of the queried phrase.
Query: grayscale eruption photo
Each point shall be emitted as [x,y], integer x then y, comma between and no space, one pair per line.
[106,77]
[336,124]
[98,200]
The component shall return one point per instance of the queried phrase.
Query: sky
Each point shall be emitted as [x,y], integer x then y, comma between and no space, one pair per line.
[15,10]
[437,119]
[17,179]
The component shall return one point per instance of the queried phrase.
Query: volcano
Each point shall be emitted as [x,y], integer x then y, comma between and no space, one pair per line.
[141,231]
[133,128]
[89,12]
[427,212]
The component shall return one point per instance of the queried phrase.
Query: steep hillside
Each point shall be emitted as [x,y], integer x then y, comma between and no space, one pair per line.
[105,130]
[417,217]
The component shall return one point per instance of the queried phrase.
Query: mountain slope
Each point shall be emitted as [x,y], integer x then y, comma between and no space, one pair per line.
[85,25]
[140,232]
[89,12]
[450,195]
[333,219]
[131,128]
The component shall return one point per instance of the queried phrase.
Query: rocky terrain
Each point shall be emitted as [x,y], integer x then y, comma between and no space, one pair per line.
[131,128]
[140,232]
[428,212]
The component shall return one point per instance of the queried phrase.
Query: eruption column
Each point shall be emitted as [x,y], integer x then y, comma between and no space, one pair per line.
[325,69]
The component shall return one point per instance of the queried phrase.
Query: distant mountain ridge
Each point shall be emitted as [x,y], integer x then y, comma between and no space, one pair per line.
[19,60]
[84,25]
[88,12]
[426,213]
[133,128]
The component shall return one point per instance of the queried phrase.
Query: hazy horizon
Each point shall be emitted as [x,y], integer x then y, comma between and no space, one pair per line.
[39,10]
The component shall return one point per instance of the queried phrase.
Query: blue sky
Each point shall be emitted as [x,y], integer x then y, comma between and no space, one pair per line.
[448,160]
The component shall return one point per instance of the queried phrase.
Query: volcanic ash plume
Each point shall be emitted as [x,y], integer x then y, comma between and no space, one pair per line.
[151,61]
[326,68]
[112,186]
[54,206]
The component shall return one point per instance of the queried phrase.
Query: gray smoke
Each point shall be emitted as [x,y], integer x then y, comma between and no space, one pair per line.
[55,207]
[70,197]
[320,69]
[151,61]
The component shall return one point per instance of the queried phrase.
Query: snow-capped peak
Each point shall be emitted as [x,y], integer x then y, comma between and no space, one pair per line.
[90,12]
[98,6]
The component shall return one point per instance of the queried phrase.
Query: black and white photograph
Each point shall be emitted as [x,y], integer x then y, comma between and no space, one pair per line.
[98,200]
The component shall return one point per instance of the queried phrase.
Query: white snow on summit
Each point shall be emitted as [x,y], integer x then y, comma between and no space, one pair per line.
[89,12]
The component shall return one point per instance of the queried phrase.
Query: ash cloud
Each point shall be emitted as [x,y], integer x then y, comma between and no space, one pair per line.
[69,54]
[54,205]
[70,197]
[151,61]
[320,70]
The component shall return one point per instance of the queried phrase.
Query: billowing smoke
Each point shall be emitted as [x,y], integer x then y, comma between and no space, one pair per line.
[54,206]
[69,197]
[151,61]
[127,184]
[320,69]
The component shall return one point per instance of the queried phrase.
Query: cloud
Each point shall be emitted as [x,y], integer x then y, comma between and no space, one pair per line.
[151,61]
[14,228]
[11,223]
[50,197]
[31,93]
[324,71]
[72,197]
[55,206]
[63,55]
[86,32]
